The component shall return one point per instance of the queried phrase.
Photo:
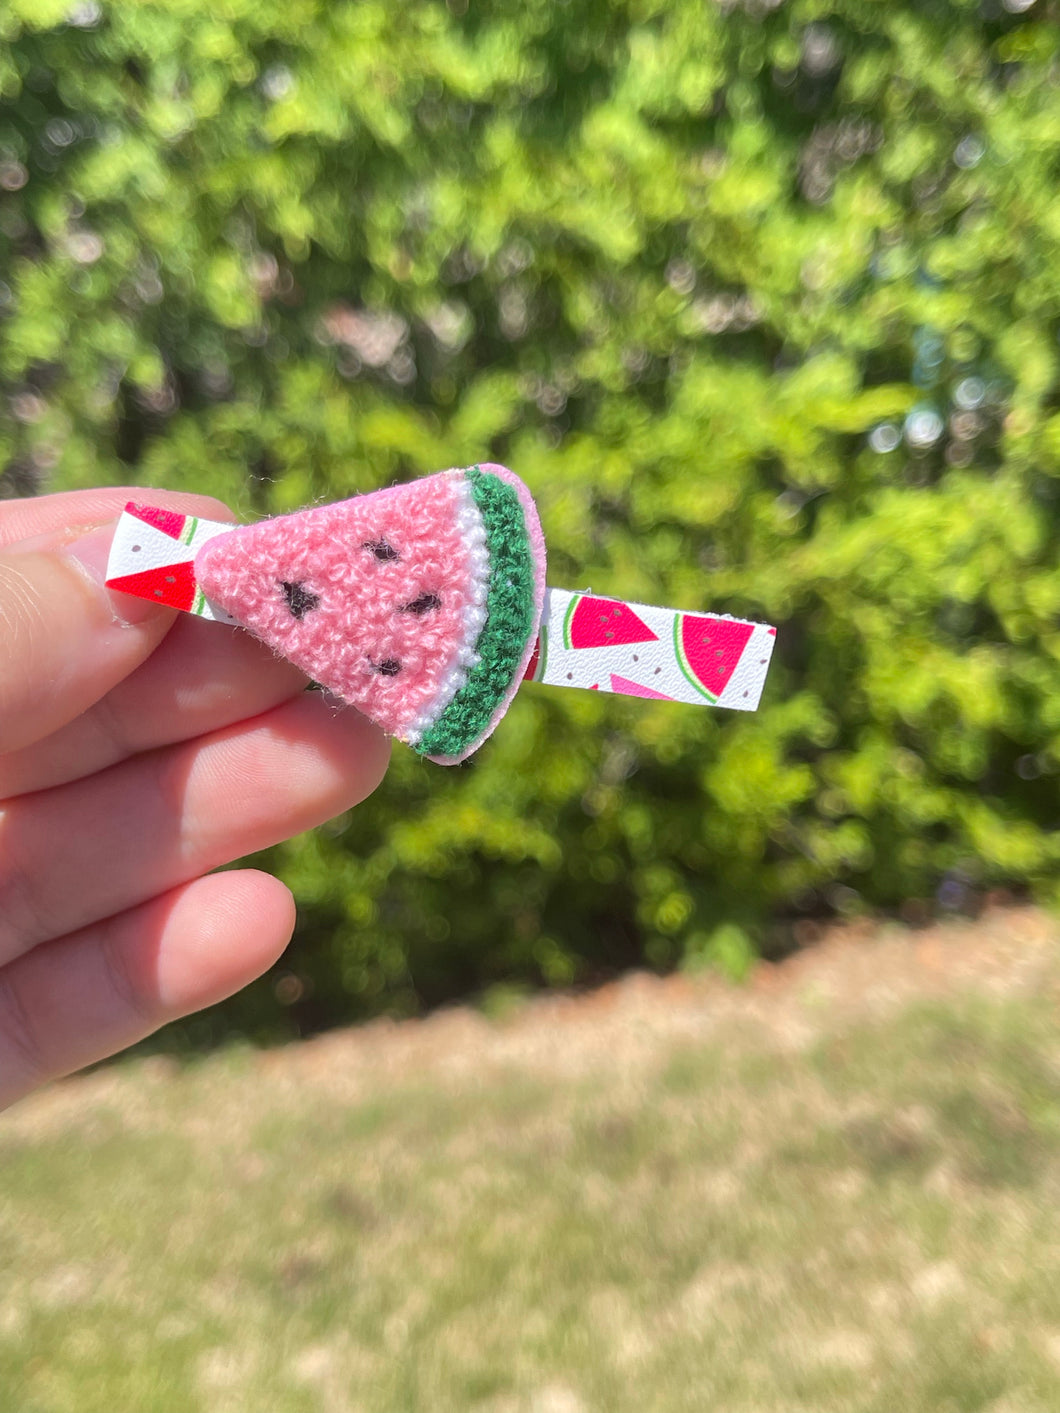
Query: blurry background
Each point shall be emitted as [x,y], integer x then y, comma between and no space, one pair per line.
[761,300]
[761,297]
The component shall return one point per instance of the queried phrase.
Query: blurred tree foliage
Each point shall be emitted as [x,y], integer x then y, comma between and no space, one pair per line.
[761,299]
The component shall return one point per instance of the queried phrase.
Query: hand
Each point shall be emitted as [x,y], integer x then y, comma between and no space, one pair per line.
[137,753]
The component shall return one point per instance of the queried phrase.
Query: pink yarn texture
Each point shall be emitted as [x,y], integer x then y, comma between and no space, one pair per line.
[380,598]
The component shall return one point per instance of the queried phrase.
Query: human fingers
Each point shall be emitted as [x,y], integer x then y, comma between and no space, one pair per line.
[202,677]
[93,848]
[70,510]
[98,990]
[65,640]
[62,646]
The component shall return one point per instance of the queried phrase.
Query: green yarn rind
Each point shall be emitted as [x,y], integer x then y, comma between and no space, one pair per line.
[509,620]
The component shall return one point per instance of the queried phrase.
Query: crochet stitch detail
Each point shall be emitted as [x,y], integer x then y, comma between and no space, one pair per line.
[417,603]
[356,565]
[510,603]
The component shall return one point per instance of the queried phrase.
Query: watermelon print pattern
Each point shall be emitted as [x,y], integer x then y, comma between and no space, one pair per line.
[535,665]
[662,654]
[603,623]
[626,688]
[171,584]
[709,650]
[153,557]
[170,522]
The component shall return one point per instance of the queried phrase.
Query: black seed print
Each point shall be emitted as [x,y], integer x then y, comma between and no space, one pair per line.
[300,600]
[381,549]
[422,605]
[389,667]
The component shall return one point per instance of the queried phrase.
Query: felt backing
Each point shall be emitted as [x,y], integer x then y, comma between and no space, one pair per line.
[152,557]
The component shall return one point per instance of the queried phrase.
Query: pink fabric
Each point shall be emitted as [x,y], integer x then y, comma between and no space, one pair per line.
[368,562]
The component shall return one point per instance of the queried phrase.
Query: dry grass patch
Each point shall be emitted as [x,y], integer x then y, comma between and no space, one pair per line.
[669,1198]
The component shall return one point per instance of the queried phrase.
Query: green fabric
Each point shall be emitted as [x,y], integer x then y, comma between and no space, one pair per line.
[509,620]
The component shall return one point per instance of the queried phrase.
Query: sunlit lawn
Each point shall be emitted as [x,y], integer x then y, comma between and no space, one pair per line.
[871,1222]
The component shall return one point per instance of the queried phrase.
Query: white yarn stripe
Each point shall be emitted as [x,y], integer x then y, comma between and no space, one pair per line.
[472,529]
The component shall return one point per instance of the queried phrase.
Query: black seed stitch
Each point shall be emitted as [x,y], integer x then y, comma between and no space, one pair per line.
[422,605]
[381,549]
[300,600]
[389,667]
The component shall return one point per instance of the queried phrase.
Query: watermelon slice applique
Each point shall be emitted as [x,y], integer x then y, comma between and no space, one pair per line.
[603,623]
[709,650]
[418,604]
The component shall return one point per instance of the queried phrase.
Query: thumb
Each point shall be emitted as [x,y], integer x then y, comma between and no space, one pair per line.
[64,640]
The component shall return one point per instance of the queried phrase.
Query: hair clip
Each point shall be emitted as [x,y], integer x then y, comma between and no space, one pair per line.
[424,606]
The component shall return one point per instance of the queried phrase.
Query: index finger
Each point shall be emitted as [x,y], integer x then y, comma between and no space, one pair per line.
[64,640]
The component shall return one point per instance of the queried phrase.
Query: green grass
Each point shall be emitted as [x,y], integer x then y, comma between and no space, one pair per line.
[871,1223]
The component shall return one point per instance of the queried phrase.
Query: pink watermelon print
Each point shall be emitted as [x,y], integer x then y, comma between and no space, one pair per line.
[635,689]
[417,604]
[425,606]
[709,650]
[673,656]
[603,623]
[170,522]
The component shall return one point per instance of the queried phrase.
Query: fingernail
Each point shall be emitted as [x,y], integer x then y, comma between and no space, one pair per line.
[90,551]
